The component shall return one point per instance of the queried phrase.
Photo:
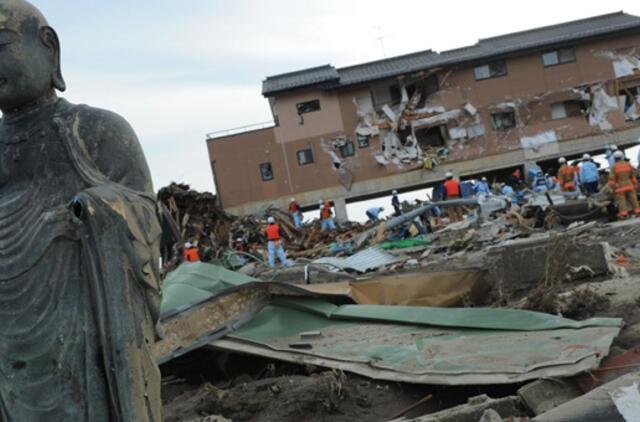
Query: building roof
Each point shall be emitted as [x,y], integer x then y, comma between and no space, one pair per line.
[537,38]
[300,78]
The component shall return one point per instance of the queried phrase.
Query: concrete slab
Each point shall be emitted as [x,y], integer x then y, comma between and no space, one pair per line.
[474,409]
[543,395]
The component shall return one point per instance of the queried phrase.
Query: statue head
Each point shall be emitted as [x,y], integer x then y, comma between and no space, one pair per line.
[29,56]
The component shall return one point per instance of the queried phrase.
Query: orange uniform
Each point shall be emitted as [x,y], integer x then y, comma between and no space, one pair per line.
[273,232]
[566,178]
[623,181]
[326,210]
[191,254]
[452,187]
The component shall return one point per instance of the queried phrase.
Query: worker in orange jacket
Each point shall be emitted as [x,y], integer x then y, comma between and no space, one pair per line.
[274,243]
[623,181]
[326,216]
[452,191]
[566,176]
[191,253]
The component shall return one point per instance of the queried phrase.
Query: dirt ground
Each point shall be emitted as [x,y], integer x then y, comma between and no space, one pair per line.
[326,396]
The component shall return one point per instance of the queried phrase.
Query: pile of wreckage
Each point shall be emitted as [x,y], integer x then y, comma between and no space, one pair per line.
[517,313]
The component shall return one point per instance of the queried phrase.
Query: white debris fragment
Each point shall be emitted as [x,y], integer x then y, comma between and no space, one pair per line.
[601,105]
[470,109]
[627,401]
[390,114]
[458,132]
[539,139]
[440,118]
[381,160]
[475,131]
[430,110]
[507,105]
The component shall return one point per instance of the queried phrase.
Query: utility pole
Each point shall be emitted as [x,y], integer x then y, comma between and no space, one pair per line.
[380,38]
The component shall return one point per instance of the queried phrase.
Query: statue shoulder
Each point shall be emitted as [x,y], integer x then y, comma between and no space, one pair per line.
[114,147]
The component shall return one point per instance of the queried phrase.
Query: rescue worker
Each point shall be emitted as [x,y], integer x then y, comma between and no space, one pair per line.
[623,181]
[482,187]
[508,191]
[539,183]
[451,192]
[295,213]
[589,174]
[566,176]
[274,243]
[191,253]
[395,203]
[326,216]
[515,179]
[374,213]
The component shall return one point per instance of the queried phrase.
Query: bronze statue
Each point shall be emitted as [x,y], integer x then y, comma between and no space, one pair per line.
[79,284]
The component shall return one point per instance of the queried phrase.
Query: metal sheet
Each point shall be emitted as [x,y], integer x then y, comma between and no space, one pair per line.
[368,259]
[424,354]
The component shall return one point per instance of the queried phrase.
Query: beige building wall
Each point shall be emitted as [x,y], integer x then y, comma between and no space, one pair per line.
[294,127]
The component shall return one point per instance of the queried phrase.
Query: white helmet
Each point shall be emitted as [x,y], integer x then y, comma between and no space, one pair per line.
[448,175]
[239,239]
[395,192]
[271,220]
[618,155]
[562,160]
[614,147]
[484,179]
[188,245]
[586,156]
[293,199]
[320,202]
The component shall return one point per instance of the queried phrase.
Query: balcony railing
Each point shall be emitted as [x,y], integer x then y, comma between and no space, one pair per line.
[241,129]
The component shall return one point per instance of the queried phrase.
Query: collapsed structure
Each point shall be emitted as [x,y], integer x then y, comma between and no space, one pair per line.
[357,132]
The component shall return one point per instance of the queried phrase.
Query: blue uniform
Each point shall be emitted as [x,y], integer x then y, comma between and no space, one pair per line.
[374,213]
[482,188]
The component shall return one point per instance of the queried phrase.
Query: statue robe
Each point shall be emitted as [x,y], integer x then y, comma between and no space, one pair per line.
[79,284]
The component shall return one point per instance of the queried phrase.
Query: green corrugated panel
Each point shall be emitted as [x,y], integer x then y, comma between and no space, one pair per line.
[192,283]
[405,243]
[482,318]
[424,353]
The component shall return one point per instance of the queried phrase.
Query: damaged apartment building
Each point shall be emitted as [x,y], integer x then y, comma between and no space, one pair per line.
[353,133]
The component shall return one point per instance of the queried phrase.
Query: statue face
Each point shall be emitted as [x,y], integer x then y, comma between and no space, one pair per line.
[27,63]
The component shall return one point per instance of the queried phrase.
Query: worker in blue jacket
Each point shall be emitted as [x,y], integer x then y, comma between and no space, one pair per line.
[589,174]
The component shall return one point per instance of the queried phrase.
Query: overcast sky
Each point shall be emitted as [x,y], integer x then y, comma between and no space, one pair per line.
[180,69]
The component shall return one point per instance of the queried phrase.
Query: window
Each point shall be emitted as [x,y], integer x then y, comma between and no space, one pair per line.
[305,156]
[363,141]
[266,172]
[347,149]
[560,56]
[504,121]
[308,106]
[568,109]
[491,70]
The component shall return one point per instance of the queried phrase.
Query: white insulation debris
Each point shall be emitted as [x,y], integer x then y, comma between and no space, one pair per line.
[538,140]
[601,105]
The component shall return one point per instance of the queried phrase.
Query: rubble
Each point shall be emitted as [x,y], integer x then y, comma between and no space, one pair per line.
[356,303]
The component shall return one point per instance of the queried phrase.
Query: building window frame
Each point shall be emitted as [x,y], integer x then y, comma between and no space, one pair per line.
[304,156]
[310,106]
[570,108]
[364,141]
[491,70]
[500,119]
[266,171]
[558,57]
[347,149]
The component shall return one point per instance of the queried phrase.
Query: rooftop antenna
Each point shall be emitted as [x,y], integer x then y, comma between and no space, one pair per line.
[380,38]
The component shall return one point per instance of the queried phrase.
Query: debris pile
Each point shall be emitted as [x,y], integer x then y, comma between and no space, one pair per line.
[373,321]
